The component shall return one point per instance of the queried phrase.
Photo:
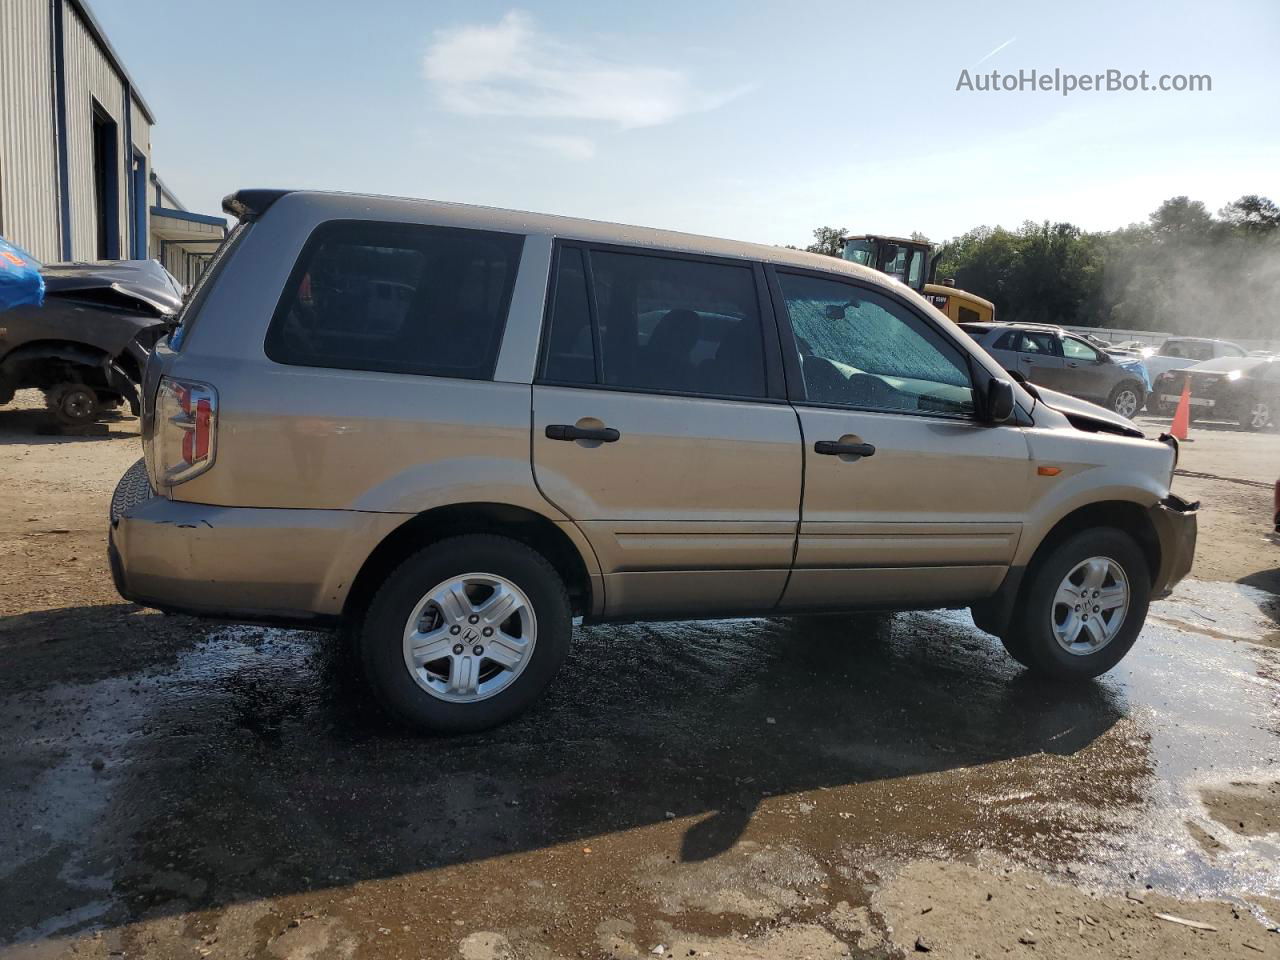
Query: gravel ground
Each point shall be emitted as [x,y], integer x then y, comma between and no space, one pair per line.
[735,789]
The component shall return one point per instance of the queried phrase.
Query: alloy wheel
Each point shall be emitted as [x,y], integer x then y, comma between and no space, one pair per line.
[470,637]
[1260,415]
[1126,404]
[1090,606]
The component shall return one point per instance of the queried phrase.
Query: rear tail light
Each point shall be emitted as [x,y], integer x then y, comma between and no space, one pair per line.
[184,436]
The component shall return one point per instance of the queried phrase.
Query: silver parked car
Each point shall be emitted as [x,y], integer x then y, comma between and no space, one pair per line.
[558,418]
[1050,357]
[1178,353]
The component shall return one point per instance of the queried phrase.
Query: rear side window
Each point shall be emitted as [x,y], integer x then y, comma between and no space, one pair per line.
[1008,341]
[570,349]
[1040,344]
[650,322]
[398,298]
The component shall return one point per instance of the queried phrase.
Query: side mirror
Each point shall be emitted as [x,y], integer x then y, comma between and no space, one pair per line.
[1000,401]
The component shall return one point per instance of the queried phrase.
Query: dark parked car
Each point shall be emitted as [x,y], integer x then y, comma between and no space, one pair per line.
[1243,389]
[1050,357]
[86,346]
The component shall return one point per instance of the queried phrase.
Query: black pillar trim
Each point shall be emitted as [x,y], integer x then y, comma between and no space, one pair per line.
[60,123]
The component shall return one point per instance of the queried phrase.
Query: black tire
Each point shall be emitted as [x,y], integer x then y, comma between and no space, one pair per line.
[72,404]
[381,633]
[1132,393]
[1029,638]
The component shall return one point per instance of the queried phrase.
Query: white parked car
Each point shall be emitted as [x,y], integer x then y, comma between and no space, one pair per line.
[1177,353]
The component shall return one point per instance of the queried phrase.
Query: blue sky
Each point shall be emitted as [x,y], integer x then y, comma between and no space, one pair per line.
[757,121]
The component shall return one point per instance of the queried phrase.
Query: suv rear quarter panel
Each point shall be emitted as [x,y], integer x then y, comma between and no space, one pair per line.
[384,446]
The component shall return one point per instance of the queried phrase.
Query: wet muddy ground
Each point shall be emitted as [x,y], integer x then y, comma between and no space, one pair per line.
[764,788]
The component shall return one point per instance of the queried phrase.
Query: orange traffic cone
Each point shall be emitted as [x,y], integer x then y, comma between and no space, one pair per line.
[1182,417]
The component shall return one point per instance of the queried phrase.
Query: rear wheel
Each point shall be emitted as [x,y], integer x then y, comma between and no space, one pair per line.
[466,633]
[1126,399]
[1083,606]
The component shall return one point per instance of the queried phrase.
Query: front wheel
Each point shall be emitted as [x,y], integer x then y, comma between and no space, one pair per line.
[466,633]
[1257,415]
[72,404]
[1082,606]
[1126,400]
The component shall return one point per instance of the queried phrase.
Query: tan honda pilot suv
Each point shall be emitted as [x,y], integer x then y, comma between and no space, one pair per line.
[453,430]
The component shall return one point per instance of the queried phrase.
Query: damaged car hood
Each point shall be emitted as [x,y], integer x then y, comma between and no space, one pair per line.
[1087,416]
[132,284]
[113,307]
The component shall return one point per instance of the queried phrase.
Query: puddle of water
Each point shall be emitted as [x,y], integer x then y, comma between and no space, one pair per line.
[1209,708]
[252,765]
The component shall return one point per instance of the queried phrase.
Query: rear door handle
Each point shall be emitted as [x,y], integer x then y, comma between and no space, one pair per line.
[567,431]
[834,448]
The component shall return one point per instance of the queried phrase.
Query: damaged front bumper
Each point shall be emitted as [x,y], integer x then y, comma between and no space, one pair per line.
[1174,520]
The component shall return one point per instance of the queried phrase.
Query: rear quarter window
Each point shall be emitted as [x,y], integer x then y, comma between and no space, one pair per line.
[1009,341]
[397,298]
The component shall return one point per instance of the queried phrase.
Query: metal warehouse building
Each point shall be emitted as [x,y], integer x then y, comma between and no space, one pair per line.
[76,172]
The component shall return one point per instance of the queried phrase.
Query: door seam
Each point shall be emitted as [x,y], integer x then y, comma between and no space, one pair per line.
[533,473]
[795,545]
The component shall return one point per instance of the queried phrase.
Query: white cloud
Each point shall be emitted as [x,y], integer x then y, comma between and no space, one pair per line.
[511,68]
[569,147]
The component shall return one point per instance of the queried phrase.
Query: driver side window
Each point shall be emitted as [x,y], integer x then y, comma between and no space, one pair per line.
[1078,350]
[859,348]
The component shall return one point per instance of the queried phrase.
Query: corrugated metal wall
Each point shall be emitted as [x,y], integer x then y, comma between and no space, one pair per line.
[142,141]
[90,78]
[28,151]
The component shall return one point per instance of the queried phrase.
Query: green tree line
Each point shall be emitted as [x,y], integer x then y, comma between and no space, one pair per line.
[1184,271]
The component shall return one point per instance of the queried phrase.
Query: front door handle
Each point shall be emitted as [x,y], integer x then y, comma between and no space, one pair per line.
[567,431]
[834,448]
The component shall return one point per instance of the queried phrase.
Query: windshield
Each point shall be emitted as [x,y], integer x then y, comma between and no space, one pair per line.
[859,250]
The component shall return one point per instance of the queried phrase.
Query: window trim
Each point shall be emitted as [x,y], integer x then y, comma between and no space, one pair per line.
[775,383]
[791,352]
[301,264]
